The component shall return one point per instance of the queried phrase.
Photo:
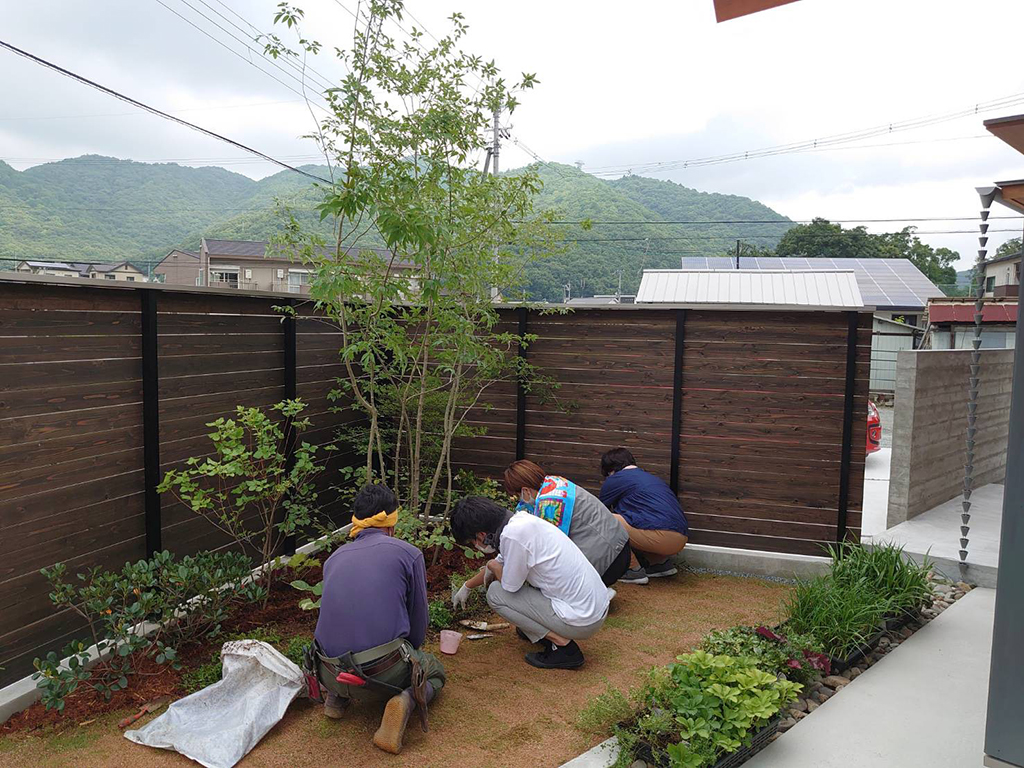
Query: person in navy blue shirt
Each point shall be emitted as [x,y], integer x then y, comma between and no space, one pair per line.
[649,511]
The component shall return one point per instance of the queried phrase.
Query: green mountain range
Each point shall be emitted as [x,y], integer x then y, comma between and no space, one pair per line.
[94,208]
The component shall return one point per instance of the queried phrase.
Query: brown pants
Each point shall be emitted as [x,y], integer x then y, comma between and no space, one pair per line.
[655,546]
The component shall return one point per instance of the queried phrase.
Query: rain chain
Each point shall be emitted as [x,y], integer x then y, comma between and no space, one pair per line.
[987,195]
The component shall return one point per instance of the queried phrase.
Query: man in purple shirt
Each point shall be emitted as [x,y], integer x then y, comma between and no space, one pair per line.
[373,617]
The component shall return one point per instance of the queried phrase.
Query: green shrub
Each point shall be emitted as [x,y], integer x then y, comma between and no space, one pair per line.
[839,615]
[796,656]
[253,489]
[187,598]
[691,713]
[440,614]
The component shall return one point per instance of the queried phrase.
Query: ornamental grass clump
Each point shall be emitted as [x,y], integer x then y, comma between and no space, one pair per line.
[692,713]
[886,572]
[840,614]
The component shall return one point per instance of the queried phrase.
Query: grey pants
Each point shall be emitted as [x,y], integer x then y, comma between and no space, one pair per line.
[533,613]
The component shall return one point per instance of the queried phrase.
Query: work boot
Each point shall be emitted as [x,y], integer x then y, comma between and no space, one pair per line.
[395,719]
[565,657]
[335,706]
[392,725]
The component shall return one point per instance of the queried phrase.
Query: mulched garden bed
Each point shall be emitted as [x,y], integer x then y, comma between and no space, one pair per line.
[281,614]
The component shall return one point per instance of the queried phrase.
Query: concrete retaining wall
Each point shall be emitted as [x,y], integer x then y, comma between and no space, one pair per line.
[929,427]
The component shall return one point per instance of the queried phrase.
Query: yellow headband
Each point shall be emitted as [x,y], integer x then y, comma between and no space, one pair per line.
[380,520]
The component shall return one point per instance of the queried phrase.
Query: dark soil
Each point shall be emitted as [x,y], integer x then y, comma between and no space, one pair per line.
[281,614]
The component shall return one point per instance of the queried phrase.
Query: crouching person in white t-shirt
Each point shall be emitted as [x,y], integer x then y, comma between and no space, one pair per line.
[540,581]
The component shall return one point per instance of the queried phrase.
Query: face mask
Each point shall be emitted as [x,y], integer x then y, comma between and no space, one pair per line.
[487,549]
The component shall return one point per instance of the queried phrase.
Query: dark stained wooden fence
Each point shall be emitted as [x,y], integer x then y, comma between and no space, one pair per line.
[73,462]
[762,400]
[744,411]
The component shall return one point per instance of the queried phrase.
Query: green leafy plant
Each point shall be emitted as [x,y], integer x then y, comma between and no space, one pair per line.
[207,674]
[295,647]
[183,600]
[302,562]
[691,713]
[248,489]
[796,656]
[317,590]
[440,614]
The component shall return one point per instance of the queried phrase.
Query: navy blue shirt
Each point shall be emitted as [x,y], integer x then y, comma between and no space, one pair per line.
[644,501]
[375,591]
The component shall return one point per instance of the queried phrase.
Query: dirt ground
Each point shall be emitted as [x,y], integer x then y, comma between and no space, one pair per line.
[495,710]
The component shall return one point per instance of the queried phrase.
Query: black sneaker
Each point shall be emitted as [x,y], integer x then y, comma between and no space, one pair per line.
[662,569]
[634,576]
[567,657]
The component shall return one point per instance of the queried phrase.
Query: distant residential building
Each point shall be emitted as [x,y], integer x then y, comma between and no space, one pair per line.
[178,268]
[248,265]
[601,300]
[951,323]
[124,271]
[1002,276]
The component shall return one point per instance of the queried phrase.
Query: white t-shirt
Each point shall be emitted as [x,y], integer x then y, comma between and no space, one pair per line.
[535,552]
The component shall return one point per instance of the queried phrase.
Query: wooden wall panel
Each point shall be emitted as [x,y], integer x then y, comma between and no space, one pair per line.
[70,451]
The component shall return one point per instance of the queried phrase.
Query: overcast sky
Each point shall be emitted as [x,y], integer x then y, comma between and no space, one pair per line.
[622,84]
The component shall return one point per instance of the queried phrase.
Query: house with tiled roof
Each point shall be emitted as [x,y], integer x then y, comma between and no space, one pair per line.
[124,270]
[249,265]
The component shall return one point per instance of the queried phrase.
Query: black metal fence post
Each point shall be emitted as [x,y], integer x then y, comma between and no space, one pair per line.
[523,314]
[677,400]
[852,321]
[151,420]
[291,388]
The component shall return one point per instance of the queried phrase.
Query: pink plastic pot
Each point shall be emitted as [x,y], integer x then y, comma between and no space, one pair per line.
[450,641]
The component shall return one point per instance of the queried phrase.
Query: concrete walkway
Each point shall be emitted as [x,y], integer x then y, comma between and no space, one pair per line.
[922,705]
[937,534]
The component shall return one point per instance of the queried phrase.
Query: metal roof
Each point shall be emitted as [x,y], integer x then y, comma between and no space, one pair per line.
[886,284]
[821,289]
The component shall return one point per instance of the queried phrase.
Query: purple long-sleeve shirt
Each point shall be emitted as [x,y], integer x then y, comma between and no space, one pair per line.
[375,590]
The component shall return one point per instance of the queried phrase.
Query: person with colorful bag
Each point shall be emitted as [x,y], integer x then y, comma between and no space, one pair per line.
[576,512]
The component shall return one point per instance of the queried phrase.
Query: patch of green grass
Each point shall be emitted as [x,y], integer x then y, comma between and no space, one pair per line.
[624,622]
[295,647]
[604,711]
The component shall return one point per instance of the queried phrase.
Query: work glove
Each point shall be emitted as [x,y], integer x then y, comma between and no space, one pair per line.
[488,577]
[460,598]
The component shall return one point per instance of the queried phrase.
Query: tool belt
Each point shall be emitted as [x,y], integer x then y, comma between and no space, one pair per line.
[366,666]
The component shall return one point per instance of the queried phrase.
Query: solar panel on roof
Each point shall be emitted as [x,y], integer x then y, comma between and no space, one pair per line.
[883,283]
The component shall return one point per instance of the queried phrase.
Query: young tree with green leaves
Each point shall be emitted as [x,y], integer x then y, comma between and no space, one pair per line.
[422,341]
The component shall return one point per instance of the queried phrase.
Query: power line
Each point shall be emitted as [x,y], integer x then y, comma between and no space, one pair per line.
[782,221]
[322,80]
[172,111]
[243,58]
[812,144]
[732,238]
[154,110]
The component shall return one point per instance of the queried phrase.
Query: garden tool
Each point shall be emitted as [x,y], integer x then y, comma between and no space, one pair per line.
[147,708]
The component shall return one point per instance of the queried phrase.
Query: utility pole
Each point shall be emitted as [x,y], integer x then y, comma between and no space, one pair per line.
[737,254]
